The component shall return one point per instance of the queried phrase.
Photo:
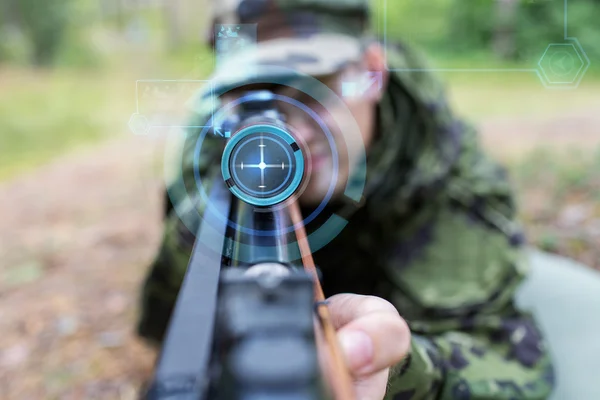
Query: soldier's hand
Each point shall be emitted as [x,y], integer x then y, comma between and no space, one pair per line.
[373,337]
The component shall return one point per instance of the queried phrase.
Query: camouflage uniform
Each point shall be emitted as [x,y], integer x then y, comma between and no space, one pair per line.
[436,236]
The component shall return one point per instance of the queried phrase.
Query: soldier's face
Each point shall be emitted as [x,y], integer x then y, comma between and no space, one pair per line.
[348,133]
[349,119]
[351,136]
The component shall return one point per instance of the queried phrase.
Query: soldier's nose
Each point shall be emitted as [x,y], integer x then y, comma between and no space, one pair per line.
[304,130]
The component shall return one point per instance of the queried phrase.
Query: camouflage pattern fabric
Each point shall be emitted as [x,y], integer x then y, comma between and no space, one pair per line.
[436,236]
[453,253]
[277,19]
[313,37]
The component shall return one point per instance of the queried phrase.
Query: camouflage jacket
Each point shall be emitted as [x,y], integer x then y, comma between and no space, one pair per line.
[436,236]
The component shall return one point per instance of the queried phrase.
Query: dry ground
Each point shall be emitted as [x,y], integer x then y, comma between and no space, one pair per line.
[75,239]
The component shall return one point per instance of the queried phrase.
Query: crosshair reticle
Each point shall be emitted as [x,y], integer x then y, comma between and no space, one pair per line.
[262,165]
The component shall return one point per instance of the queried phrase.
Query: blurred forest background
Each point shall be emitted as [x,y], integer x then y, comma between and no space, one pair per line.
[79,193]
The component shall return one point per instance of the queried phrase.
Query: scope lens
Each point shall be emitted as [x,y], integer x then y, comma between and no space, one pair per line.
[263,165]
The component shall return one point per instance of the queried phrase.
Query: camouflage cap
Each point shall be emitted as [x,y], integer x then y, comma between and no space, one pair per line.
[295,18]
[312,37]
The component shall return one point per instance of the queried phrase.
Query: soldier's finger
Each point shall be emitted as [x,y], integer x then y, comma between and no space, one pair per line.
[372,333]
[374,342]
[346,307]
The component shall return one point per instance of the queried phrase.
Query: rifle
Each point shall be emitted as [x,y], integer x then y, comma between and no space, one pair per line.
[248,318]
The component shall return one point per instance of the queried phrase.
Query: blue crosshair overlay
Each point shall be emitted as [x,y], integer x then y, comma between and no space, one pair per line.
[262,165]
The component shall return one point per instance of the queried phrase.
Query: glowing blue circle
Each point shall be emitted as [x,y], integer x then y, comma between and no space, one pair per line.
[185,205]
[226,166]
[262,165]
[293,102]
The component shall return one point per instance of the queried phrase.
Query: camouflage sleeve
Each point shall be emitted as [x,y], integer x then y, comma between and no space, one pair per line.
[161,286]
[456,291]
[456,258]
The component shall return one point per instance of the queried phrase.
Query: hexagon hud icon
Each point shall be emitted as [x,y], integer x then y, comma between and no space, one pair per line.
[139,124]
[562,64]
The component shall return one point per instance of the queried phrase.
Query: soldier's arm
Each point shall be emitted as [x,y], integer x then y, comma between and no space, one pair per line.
[456,292]
[455,269]
[486,353]
[487,356]
[162,284]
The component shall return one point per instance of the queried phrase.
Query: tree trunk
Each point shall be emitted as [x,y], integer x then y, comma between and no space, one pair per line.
[504,41]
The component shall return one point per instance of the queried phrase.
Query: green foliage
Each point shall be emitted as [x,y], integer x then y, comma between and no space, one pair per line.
[13,46]
[45,113]
[470,28]
[44,23]
[78,53]
[414,21]
[455,28]
[77,48]
[538,24]
[52,32]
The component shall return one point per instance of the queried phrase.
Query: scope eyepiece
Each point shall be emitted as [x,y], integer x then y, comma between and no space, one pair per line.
[262,165]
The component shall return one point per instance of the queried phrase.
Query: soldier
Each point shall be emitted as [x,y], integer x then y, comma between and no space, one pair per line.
[433,255]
